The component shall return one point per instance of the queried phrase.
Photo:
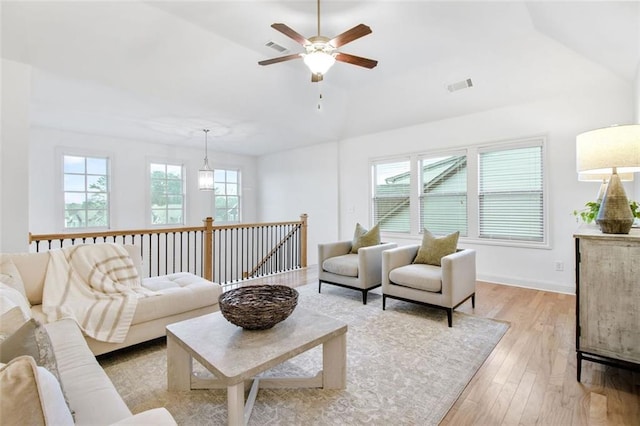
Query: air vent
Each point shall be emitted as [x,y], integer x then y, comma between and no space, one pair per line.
[276,46]
[464,84]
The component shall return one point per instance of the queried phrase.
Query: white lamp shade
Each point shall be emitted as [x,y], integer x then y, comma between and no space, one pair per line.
[319,62]
[598,151]
[205,179]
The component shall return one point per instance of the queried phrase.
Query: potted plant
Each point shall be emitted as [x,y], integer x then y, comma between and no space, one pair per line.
[590,212]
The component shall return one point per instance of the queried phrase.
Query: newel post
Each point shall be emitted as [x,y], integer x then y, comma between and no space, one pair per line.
[208,249]
[303,242]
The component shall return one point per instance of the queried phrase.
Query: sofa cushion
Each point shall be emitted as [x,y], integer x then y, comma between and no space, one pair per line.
[418,276]
[364,238]
[176,293]
[346,265]
[91,394]
[10,275]
[433,248]
[31,395]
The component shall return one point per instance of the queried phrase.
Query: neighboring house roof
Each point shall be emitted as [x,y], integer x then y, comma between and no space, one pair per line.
[445,175]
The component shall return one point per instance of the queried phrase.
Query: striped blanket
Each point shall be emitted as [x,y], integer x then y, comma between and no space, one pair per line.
[96,285]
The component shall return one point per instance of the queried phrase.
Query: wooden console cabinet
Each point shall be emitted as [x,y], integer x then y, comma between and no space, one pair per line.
[607,298]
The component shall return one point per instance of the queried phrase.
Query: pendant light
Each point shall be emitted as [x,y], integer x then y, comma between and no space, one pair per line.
[205,174]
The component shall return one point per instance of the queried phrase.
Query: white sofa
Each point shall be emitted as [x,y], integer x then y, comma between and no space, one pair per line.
[182,296]
[90,393]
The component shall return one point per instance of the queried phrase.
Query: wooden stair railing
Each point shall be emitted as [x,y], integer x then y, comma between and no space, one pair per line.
[196,249]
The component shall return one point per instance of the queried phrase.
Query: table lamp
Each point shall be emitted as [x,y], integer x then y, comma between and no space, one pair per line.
[613,150]
[603,178]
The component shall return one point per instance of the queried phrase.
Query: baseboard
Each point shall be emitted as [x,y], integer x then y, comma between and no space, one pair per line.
[535,285]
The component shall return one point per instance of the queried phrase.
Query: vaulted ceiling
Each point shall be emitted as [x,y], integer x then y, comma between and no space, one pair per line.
[161,71]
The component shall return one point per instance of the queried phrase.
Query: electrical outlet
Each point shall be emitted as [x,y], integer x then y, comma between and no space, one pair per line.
[559,266]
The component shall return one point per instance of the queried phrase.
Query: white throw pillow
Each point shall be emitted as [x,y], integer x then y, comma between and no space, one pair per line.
[11,317]
[10,275]
[31,395]
[16,297]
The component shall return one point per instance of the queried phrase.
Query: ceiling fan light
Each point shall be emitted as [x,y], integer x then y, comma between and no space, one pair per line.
[319,62]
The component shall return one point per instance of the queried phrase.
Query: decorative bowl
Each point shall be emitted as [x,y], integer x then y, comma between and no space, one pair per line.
[258,307]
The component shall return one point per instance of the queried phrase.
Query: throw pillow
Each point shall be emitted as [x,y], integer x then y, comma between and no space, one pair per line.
[30,395]
[364,238]
[33,340]
[16,297]
[10,275]
[433,248]
[11,317]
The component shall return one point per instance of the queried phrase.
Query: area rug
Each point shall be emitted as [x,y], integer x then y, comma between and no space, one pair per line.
[404,366]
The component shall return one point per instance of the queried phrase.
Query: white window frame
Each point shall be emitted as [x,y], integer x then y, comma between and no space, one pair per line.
[61,153]
[473,214]
[149,206]
[535,141]
[238,170]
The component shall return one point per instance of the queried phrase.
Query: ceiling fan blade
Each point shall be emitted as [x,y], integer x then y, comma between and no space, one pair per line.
[350,35]
[284,29]
[280,59]
[356,60]
[315,78]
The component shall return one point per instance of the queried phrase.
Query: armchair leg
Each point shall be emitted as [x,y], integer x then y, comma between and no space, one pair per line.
[473,300]
[319,286]
[450,317]
[384,301]
[364,297]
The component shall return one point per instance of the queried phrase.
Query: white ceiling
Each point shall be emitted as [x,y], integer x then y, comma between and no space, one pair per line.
[161,71]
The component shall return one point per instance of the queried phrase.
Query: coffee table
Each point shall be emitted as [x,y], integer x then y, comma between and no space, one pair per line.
[236,356]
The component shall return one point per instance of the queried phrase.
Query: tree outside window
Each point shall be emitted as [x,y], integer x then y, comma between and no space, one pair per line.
[86,191]
[227,195]
[167,194]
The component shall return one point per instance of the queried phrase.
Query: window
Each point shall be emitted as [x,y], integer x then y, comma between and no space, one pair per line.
[167,194]
[226,185]
[443,194]
[391,196]
[511,202]
[86,191]
[494,194]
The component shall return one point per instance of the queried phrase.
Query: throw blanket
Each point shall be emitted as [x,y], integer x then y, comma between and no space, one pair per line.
[97,285]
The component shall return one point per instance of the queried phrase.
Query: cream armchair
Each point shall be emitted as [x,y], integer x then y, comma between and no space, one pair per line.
[445,287]
[361,271]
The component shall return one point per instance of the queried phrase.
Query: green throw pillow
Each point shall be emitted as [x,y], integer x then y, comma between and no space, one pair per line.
[364,238]
[433,248]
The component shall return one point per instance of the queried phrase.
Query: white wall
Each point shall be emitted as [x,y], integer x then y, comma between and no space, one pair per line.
[129,178]
[636,193]
[302,181]
[560,119]
[14,155]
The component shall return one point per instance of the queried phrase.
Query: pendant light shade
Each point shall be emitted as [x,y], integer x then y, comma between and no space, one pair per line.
[205,174]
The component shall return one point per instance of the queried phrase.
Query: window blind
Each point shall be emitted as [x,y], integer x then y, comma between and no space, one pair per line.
[443,197]
[391,196]
[511,198]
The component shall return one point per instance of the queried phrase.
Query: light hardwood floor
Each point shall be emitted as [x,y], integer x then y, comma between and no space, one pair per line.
[530,377]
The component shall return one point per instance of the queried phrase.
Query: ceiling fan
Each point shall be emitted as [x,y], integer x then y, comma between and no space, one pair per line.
[321,52]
